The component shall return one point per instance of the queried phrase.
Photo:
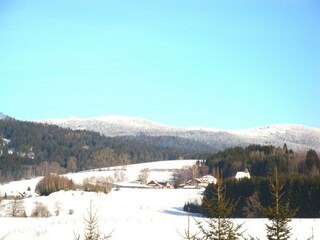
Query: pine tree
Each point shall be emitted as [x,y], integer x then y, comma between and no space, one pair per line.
[92,231]
[279,213]
[252,209]
[312,162]
[188,235]
[219,225]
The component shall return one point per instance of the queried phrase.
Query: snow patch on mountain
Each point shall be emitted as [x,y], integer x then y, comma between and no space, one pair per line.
[296,136]
[114,125]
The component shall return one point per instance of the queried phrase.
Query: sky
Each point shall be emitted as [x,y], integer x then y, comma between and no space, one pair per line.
[222,64]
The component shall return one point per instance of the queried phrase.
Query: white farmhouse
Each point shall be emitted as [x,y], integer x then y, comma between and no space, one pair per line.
[244,174]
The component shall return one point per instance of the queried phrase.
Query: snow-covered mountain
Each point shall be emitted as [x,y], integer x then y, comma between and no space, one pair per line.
[114,125]
[297,137]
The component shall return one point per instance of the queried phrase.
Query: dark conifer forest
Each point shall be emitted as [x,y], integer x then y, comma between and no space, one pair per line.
[261,160]
[298,172]
[301,192]
[30,149]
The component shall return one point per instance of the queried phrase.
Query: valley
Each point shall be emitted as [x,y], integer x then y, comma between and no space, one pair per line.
[126,213]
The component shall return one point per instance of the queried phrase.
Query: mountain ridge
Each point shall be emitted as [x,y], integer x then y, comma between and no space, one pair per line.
[296,136]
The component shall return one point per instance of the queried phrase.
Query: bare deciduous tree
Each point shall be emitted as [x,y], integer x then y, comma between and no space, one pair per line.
[57,208]
[143,176]
[15,208]
[40,210]
[119,176]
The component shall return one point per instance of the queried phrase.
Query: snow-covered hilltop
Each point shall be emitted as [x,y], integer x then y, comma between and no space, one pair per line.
[113,125]
[297,137]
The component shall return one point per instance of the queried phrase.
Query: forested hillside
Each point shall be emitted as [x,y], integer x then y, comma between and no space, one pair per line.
[302,193]
[262,160]
[29,149]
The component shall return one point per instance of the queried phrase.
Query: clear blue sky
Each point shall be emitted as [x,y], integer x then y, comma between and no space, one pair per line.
[227,64]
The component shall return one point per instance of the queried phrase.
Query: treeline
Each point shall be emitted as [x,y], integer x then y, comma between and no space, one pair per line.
[262,160]
[303,193]
[29,149]
[203,149]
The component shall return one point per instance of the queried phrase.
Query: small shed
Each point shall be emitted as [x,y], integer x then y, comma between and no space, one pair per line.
[156,184]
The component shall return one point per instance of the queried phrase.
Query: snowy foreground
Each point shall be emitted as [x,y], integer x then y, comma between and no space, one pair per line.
[127,213]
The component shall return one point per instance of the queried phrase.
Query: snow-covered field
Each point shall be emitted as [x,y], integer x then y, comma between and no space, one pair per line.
[127,213]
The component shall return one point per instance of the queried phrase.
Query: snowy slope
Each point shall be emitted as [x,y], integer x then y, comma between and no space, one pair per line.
[127,213]
[159,171]
[297,137]
[114,125]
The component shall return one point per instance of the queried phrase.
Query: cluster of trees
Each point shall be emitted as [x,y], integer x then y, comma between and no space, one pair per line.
[54,183]
[262,160]
[303,192]
[39,149]
[219,208]
[181,176]
[94,184]
[15,208]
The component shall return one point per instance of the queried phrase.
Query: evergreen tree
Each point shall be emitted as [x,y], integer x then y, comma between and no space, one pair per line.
[252,209]
[312,162]
[188,235]
[279,213]
[219,226]
[92,231]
